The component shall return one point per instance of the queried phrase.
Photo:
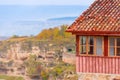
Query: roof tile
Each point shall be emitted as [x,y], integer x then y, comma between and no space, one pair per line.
[102,15]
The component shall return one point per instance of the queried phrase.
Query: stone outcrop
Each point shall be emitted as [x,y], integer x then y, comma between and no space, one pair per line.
[69,58]
[15,52]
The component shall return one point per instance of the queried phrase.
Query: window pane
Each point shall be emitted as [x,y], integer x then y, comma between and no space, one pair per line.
[83,40]
[112,51]
[99,50]
[118,51]
[91,41]
[83,50]
[112,42]
[118,41]
[91,50]
[99,41]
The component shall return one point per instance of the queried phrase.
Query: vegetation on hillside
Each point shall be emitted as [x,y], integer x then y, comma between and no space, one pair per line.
[55,70]
[58,37]
[56,33]
[48,38]
[33,67]
[5,77]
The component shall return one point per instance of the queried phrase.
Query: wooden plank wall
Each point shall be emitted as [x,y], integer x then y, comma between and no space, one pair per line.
[94,64]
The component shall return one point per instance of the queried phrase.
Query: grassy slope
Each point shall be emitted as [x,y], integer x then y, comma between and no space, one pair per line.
[4,77]
[17,39]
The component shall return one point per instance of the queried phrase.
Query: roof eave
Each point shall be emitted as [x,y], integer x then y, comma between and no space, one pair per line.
[69,30]
[96,33]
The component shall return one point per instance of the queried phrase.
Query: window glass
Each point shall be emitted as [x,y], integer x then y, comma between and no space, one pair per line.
[99,50]
[83,40]
[83,45]
[118,52]
[91,41]
[83,50]
[118,47]
[118,41]
[99,42]
[112,51]
[91,50]
[91,45]
[112,41]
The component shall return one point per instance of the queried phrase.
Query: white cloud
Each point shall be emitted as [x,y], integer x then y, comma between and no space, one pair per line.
[46,2]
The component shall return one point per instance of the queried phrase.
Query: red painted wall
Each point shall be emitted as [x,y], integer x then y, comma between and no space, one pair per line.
[95,64]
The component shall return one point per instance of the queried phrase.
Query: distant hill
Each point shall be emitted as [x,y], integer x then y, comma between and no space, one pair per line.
[3,38]
[63,18]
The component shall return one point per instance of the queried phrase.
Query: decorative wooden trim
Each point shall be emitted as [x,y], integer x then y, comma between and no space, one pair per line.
[106,46]
[99,56]
[96,33]
[100,32]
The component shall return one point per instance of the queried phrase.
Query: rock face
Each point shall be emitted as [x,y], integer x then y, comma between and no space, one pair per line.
[98,76]
[69,58]
[15,52]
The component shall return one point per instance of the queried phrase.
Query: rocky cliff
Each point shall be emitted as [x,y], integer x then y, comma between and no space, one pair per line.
[16,52]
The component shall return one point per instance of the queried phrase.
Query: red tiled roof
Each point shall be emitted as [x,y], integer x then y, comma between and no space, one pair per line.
[101,16]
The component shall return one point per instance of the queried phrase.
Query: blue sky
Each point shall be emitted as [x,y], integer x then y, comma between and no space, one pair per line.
[46,2]
[28,17]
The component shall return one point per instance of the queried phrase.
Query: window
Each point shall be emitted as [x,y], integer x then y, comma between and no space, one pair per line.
[83,45]
[91,45]
[114,46]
